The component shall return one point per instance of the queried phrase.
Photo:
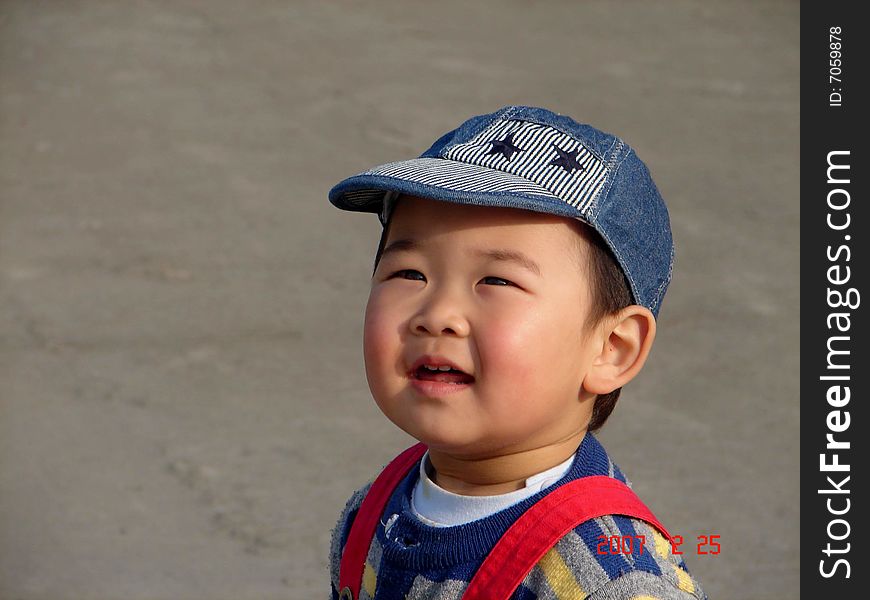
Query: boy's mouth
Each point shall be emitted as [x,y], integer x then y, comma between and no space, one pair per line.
[452,376]
[435,368]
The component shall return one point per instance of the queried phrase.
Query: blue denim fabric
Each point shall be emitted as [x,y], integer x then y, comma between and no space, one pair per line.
[613,191]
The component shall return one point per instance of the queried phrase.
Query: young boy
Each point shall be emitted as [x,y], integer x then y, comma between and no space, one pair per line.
[522,264]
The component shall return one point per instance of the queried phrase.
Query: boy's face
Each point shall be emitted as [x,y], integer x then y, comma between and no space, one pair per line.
[450,284]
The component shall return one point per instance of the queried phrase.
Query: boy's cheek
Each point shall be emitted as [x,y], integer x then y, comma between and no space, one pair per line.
[374,347]
[526,357]
[510,366]
[380,341]
[379,309]
[513,343]
[374,317]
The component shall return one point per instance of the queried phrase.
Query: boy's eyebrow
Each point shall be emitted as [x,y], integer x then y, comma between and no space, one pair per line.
[399,245]
[511,256]
[492,254]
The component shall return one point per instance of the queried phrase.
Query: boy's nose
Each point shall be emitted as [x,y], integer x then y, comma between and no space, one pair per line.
[438,319]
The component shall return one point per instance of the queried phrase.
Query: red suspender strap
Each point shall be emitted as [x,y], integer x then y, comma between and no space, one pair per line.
[544,524]
[363,529]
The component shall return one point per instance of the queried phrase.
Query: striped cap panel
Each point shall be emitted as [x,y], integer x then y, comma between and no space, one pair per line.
[534,153]
[459,177]
[362,197]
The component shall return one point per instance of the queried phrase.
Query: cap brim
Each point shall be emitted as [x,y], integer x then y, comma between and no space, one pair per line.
[447,180]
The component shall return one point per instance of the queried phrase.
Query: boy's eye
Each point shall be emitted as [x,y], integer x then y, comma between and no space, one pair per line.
[409,274]
[499,280]
[414,275]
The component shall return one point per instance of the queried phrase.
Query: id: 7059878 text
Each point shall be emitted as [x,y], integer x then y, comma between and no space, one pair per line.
[835,68]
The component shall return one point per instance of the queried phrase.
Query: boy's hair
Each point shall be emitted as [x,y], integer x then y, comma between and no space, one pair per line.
[610,293]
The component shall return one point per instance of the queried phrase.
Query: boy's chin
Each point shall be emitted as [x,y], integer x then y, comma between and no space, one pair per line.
[453,444]
[441,439]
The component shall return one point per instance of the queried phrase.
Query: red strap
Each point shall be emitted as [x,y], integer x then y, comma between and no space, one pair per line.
[522,545]
[363,529]
[544,524]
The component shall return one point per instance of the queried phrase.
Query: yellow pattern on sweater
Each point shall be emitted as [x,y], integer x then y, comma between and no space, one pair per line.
[560,577]
[663,547]
[370,580]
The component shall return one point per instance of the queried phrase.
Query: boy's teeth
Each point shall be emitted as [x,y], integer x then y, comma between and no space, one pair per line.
[434,368]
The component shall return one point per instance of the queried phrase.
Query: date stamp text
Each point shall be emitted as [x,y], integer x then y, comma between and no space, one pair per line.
[631,544]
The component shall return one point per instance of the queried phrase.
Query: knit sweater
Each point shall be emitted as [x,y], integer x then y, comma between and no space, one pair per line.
[409,560]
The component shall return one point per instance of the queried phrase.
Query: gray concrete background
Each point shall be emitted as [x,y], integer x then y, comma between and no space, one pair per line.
[183,407]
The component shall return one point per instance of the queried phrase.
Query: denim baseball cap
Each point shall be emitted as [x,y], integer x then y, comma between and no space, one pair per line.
[534,159]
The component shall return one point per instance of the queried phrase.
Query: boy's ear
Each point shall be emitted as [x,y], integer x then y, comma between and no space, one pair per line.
[626,339]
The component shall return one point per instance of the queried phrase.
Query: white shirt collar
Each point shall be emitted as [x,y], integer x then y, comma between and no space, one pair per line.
[437,507]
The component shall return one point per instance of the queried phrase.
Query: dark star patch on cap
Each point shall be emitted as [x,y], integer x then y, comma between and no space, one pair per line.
[567,160]
[504,147]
